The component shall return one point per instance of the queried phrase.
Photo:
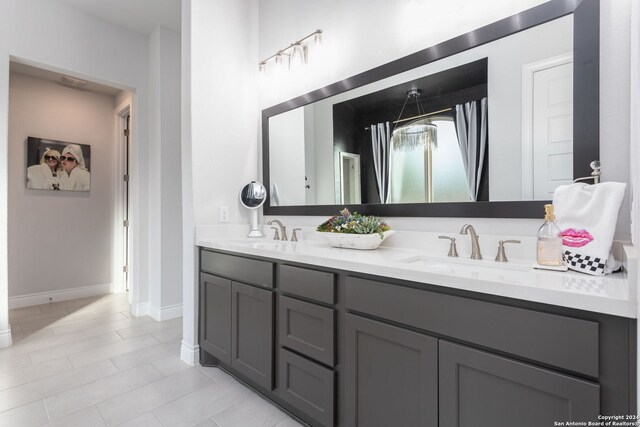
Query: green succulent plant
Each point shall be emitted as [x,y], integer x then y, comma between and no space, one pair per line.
[354,224]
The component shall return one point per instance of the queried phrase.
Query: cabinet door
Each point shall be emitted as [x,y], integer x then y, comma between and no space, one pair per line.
[252,333]
[482,389]
[392,375]
[215,316]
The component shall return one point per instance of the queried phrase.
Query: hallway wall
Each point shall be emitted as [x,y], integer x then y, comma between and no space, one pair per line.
[60,240]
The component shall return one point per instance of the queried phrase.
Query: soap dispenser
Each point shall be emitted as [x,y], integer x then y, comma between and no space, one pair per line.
[549,248]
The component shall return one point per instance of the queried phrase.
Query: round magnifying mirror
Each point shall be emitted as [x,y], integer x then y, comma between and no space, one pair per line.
[252,196]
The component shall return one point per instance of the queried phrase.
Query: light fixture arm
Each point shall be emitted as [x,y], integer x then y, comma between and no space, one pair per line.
[433,113]
[412,93]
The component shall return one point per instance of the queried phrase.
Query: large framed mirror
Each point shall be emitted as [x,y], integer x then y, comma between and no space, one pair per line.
[486,124]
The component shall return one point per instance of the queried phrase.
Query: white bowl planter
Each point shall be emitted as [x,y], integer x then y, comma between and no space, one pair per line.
[355,241]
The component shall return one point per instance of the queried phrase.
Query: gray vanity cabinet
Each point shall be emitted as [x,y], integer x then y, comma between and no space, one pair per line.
[215,317]
[252,333]
[237,315]
[482,389]
[337,348]
[392,375]
[306,335]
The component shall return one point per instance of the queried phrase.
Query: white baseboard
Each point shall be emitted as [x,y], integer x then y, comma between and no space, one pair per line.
[60,295]
[139,310]
[5,338]
[190,354]
[165,313]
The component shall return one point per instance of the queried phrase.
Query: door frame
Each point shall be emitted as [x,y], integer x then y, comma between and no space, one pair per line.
[121,112]
[355,158]
[128,107]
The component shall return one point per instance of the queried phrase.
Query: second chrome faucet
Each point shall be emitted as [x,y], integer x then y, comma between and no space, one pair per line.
[475,246]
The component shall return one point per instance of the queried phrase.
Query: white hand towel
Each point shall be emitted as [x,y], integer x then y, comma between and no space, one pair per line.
[587,216]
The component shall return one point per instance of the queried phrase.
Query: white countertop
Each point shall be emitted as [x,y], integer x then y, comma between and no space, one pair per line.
[402,258]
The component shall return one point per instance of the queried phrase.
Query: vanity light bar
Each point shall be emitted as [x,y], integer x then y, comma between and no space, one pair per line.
[296,51]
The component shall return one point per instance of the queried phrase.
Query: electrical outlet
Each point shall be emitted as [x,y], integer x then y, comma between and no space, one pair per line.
[224,213]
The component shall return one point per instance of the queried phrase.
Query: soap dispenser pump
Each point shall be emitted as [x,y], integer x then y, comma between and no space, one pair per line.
[549,247]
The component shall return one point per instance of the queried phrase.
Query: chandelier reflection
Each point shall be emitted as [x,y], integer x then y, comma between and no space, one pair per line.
[418,131]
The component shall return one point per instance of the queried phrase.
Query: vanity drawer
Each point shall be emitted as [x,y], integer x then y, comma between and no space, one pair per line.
[307,328]
[307,386]
[560,341]
[245,270]
[312,284]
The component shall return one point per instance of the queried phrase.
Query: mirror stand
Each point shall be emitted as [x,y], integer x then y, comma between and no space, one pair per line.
[252,196]
[255,232]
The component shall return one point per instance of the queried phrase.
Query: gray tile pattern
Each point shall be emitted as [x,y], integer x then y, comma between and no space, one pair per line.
[89,362]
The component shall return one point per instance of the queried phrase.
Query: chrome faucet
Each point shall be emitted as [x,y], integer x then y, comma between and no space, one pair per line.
[283,229]
[475,246]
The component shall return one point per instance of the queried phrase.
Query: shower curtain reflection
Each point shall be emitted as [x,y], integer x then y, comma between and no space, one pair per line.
[380,144]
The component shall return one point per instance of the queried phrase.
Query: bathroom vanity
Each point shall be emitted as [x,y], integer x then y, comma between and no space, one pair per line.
[371,338]
[408,337]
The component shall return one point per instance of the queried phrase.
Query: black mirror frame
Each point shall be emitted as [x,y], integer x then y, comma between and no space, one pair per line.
[586,109]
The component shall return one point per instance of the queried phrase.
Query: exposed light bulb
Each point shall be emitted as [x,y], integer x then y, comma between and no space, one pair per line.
[298,56]
[317,37]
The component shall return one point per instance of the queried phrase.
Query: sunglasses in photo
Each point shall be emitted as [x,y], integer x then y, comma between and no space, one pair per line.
[47,158]
[67,159]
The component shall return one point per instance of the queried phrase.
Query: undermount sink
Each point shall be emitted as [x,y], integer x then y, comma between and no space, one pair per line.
[450,265]
[274,245]
[277,245]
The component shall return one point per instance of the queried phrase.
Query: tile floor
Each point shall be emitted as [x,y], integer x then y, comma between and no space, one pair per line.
[88,362]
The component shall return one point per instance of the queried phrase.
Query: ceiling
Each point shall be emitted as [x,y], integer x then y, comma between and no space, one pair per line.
[19,68]
[140,16]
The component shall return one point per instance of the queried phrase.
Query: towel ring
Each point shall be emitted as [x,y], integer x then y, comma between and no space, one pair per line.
[595,175]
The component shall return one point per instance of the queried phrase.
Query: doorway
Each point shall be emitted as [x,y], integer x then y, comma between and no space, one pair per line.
[125,201]
[350,190]
[79,227]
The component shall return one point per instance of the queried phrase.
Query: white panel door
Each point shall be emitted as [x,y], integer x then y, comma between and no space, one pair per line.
[350,178]
[552,129]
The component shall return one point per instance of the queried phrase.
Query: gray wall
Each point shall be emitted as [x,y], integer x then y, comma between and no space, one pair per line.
[60,239]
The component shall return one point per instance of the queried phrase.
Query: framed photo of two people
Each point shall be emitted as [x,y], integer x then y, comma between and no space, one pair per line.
[58,165]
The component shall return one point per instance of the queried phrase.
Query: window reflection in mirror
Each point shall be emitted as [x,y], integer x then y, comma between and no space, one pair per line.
[418,175]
